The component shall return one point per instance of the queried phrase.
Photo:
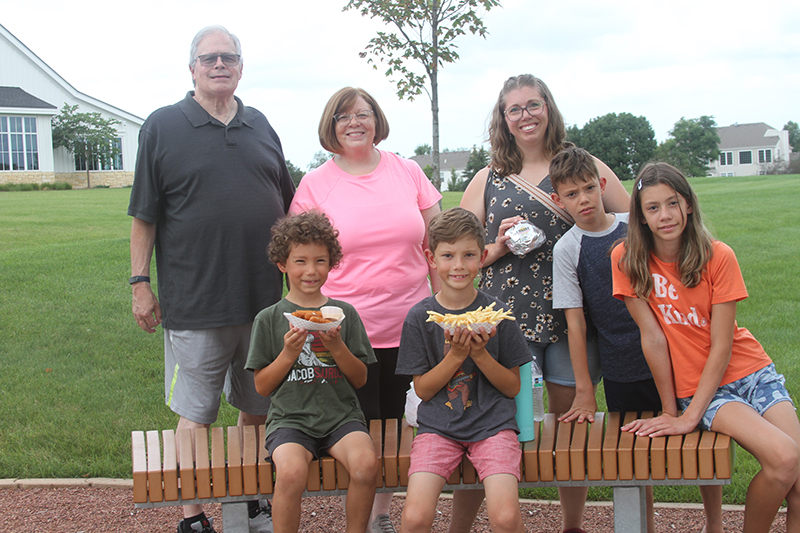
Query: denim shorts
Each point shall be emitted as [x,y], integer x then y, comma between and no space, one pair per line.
[556,366]
[760,390]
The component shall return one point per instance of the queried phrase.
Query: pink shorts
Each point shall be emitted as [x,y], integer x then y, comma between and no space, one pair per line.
[499,454]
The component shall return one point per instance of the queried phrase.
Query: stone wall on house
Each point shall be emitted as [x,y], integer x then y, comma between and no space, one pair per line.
[105,178]
[27,176]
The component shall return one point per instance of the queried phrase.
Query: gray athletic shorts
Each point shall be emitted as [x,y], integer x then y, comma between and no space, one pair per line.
[201,364]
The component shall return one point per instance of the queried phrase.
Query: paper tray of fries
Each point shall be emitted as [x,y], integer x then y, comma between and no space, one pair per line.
[479,320]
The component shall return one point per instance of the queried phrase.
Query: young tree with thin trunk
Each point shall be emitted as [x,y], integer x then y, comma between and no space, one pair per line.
[426,33]
[87,135]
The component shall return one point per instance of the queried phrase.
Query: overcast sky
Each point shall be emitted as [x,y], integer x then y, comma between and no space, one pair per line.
[738,61]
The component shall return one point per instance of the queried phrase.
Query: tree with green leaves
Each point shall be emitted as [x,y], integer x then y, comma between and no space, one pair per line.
[794,135]
[623,142]
[692,145]
[320,157]
[478,159]
[295,172]
[422,149]
[454,183]
[426,34]
[87,135]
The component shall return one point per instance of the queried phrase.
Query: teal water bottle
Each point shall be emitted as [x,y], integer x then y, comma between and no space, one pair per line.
[524,402]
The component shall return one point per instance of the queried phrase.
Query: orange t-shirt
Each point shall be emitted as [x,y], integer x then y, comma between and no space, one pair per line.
[685,316]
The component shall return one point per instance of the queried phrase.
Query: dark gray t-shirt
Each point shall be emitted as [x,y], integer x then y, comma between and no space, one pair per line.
[469,408]
[582,278]
[213,191]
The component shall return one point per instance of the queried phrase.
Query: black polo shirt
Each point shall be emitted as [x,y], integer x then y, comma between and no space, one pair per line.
[213,191]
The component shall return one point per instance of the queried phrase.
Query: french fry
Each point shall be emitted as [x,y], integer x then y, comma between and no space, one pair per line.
[481,315]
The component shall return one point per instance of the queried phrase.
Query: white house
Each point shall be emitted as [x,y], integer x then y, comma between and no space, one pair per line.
[30,94]
[750,149]
[448,162]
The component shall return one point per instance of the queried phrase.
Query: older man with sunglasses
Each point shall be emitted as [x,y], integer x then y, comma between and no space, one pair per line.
[210,182]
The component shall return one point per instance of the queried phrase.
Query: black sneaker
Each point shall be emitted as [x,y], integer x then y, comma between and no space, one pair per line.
[205,525]
[261,521]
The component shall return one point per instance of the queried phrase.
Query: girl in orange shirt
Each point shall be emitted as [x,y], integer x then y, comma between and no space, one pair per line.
[681,287]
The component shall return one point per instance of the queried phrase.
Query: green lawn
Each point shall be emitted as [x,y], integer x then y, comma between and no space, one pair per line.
[77,374]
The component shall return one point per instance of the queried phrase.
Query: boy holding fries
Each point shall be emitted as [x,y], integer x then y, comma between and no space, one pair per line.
[464,358]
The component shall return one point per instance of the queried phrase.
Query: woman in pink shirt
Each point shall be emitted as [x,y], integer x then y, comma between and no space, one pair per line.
[381,204]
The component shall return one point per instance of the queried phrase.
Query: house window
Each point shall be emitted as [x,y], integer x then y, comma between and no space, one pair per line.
[725,158]
[745,157]
[19,147]
[726,174]
[102,163]
[765,156]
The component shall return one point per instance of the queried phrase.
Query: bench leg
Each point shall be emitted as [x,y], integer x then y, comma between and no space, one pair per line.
[630,512]
[235,518]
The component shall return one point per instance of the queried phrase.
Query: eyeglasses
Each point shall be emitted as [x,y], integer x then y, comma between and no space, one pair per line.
[361,117]
[515,113]
[209,60]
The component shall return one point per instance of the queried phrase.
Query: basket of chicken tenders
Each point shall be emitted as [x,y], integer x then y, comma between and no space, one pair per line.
[316,320]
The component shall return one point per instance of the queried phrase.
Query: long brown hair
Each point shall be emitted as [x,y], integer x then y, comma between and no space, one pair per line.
[506,156]
[696,247]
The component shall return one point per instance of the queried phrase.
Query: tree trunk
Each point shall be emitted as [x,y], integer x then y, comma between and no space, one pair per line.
[434,75]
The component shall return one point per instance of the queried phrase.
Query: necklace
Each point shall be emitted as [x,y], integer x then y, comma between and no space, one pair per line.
[233,110]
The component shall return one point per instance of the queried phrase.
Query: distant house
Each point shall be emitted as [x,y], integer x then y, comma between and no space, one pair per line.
[448,161]
[31,93]
[750,149]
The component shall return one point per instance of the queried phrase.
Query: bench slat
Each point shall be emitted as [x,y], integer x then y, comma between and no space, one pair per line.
[186,461]
[170,469]
[377,442]
[328,465]
[705,455]
[674,467]
[577,450]
[689,454]
[140,465]
[264,465]
[641,453]
[610,447]
[249,460]
[218,477]
[625,449]
[563,435]
[594,448]
[404,454]
[658,458]
[546,447]
[530,456]
[390,447]
[202,465]
[154,467]
[724,451]
[235,481]
[313,484]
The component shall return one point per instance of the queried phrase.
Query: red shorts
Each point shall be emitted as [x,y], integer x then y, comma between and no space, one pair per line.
[499,454]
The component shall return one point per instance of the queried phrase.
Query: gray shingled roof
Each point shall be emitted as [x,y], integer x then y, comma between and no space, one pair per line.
[447,160]
[16,97]
[745,136]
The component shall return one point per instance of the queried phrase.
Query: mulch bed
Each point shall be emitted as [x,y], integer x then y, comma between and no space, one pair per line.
[103,510]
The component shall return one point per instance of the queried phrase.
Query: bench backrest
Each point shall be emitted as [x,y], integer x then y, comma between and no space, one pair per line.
[590,453]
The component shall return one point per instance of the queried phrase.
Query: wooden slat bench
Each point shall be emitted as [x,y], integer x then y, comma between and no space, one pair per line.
[562,455]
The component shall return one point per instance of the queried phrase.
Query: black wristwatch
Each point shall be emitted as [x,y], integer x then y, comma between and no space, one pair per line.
[137,279]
